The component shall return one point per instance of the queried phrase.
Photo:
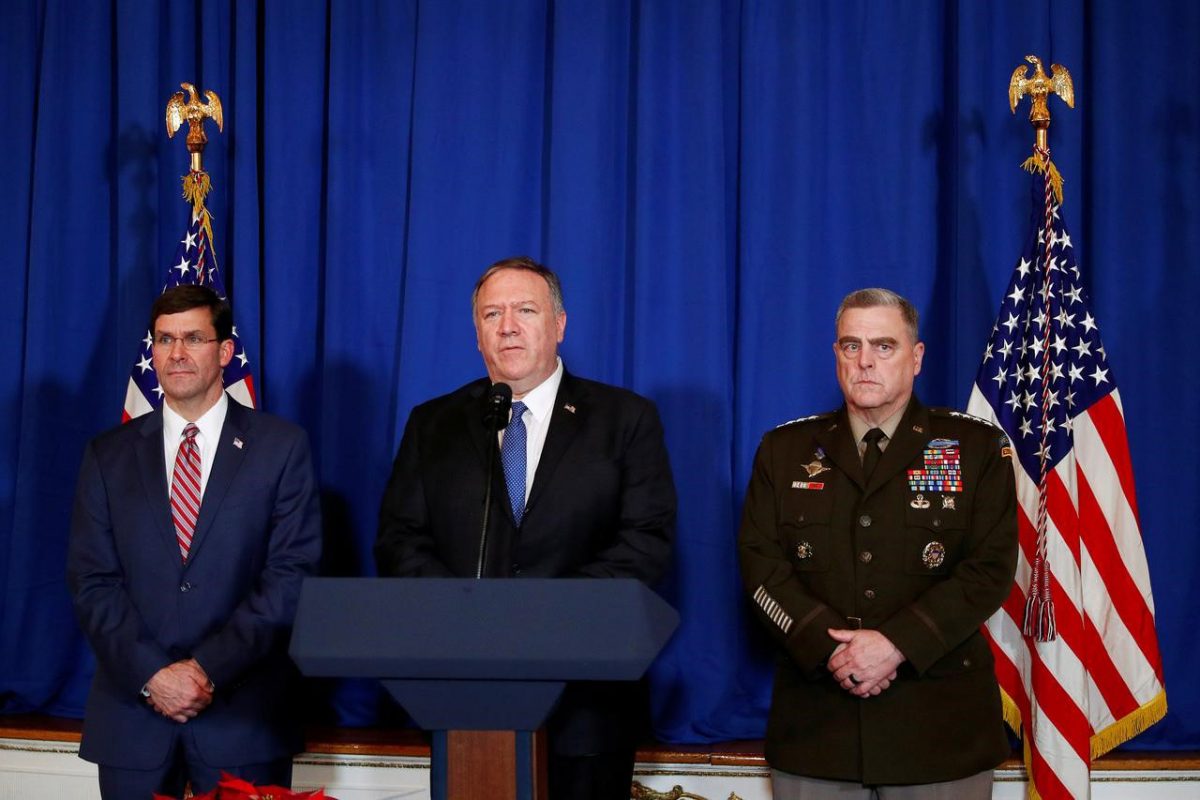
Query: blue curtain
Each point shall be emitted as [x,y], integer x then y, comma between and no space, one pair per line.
[709,178]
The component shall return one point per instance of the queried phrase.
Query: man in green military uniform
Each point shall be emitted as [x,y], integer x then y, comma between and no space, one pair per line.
[875,541]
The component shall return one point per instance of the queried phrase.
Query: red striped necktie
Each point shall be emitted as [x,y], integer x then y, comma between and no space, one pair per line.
[185,489]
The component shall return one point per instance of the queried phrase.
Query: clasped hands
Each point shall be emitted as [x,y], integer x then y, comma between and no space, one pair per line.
[180,691]
[864,662]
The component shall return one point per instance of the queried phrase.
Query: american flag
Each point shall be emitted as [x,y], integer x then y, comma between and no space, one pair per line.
[194,262]
[1093,677]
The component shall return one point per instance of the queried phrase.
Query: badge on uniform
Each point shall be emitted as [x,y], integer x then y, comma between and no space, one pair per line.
[942,470]
[815,468]
[804,551]
[947,503]
[919,502]
[812,485]
[933,555]
[1005,447]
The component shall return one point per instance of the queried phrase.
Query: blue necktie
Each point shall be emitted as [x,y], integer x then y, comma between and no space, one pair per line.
[512,457]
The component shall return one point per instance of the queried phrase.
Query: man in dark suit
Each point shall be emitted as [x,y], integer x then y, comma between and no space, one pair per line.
[192,530]
[875,542]
[585,491]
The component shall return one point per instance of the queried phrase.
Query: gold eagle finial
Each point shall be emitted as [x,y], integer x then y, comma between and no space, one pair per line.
[194,112]
[1039,87]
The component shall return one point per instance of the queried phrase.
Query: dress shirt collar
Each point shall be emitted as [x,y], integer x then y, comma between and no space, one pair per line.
[210,423]
[859,427]
[540,399]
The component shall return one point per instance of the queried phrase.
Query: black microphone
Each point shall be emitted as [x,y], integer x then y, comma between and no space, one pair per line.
[495,419]
[499,403]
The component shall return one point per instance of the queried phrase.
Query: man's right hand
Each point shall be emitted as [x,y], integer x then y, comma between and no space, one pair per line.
[180,691]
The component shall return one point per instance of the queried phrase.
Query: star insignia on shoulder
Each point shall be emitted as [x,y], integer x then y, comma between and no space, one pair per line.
[809,418]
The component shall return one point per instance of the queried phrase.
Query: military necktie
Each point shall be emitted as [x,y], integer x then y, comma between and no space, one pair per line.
[872,453]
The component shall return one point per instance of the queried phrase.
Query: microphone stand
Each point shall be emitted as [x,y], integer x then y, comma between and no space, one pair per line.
[496,421]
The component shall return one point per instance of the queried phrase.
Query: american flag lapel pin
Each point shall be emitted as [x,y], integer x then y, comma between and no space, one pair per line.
[237,443]
[569,407]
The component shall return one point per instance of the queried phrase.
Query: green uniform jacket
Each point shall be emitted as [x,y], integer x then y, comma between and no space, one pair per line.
[924,553]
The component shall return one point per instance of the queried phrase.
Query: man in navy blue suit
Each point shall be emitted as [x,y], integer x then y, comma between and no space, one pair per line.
[192,530]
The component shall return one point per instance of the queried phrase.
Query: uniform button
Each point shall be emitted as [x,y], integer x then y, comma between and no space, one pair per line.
[516,569]
[185,587]
[869,594]
[800,518]
[865,556]
[937,523]
[966,662]
[865,520]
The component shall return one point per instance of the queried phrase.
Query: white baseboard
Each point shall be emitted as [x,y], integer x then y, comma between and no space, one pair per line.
[47,770]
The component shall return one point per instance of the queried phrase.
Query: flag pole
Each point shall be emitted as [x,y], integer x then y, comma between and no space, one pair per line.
[1040,623]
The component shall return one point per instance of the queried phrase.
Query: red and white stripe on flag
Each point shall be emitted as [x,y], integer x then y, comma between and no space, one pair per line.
[1099,681]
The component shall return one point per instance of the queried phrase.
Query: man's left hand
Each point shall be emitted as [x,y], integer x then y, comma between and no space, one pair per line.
[864,662]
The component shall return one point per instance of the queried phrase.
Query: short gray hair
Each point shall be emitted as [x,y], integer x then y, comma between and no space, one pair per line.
[874,298]
[529,265]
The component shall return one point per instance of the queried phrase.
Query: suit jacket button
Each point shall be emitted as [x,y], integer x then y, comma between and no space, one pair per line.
[185,587]
[865,520]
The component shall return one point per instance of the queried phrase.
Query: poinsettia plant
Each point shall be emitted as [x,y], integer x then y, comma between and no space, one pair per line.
[233,788]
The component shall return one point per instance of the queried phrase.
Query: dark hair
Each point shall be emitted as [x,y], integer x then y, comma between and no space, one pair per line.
[187,296]
[529,265]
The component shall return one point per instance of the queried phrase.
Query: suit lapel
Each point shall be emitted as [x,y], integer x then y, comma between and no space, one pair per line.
[152,470]
[472,414]
[837,440]
[566,416]
[228,461]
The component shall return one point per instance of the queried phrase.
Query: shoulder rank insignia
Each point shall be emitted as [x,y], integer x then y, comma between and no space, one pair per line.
[809,418]
[949,412]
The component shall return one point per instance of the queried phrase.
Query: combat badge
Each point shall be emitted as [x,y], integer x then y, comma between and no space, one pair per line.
[804,551]
[933,555]
[947,503]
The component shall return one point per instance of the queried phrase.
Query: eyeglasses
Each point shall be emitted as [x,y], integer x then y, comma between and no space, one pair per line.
[193,341]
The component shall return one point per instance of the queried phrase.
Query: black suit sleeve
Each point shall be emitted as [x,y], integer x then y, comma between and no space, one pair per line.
[641,545]
[404,544]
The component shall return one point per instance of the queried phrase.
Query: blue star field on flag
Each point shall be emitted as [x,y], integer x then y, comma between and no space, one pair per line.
[1011,374]
[194,263]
